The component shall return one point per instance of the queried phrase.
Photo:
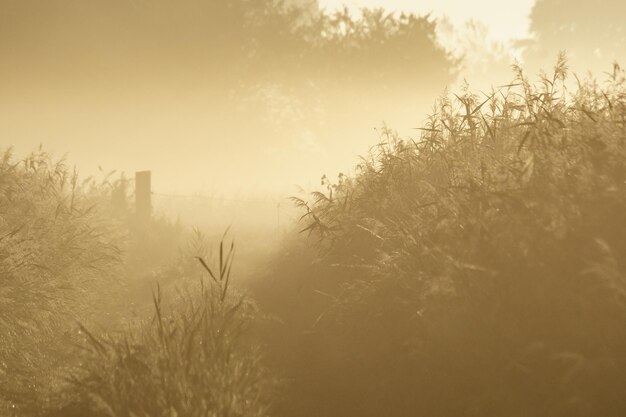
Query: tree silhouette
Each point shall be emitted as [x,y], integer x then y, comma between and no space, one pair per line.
[300,77]
[242,41]
[593,34]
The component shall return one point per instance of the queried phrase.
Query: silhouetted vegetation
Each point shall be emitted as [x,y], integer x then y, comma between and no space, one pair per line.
[57,250]
[65,252]
[190,359]
[593,35]
[76,269]
[286,67]
[475,271]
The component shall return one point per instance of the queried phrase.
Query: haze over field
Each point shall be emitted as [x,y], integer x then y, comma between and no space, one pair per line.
[457,249]
[132,85]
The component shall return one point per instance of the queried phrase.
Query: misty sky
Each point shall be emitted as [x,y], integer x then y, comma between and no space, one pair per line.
[505,19]
[108,86]
[111,86]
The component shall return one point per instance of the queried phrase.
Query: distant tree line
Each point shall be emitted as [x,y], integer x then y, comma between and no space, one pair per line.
[592,33]
[235,44]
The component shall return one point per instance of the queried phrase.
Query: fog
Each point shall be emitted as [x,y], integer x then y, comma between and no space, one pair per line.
[426,200]
[130,85]
[147,85]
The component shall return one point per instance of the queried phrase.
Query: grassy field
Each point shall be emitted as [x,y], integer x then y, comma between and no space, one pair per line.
[474,270]
[101,310]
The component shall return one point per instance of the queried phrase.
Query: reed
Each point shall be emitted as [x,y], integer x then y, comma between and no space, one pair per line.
[56,249]
[190,359]
[479,263]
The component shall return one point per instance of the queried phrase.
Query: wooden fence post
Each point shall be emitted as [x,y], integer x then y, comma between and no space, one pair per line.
[143,195]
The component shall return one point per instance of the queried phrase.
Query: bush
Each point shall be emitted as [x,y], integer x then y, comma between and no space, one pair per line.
[481,266]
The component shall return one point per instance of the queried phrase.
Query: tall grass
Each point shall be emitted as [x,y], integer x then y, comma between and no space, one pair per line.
[480,265]
[191,359]
[67,256]
[55,244]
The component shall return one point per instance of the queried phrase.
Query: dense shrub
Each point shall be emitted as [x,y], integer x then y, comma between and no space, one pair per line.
[480,266]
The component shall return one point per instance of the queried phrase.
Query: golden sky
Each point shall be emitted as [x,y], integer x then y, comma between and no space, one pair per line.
[130,87]
[114,87]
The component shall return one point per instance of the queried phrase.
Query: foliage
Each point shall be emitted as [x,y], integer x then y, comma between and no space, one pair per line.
[64,251]
[593,36]
[377,49]
[189,360]
[480,264]
[54,243]
[241,42]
